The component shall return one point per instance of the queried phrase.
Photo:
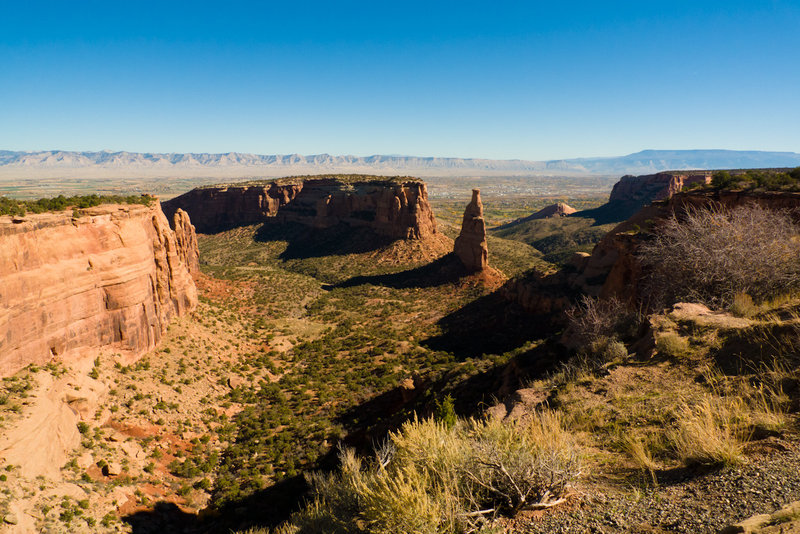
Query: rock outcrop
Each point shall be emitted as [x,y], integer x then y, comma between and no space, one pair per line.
[652,187]
[470,245]
[186,240]
[113,276]
[613,269]
[396,208]
[559,209]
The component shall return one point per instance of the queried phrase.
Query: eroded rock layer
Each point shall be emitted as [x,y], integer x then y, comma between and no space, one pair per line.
[113,276]
[651,187]
[393,207]
[470,246]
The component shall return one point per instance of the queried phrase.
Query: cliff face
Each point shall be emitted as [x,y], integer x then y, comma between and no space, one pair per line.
[470,246]
[68,286]
[392,208]
[652,187]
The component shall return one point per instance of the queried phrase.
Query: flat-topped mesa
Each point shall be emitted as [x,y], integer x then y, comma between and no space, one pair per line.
[397,208]
[113,276]
[470,245]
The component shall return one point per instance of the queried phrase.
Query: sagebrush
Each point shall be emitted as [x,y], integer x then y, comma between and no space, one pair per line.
[431,478]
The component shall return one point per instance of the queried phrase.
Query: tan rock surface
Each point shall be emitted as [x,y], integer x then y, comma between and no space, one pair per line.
[470,246]
[114,276]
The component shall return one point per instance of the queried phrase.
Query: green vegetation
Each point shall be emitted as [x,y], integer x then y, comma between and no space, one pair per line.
[337,334]
[556,238]
[10,206]
[500,209]
[757,179]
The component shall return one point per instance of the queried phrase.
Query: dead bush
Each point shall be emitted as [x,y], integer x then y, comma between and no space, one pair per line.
[710,255]
[593,319]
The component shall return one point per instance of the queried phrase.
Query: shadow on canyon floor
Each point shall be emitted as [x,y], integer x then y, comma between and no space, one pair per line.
[306,242]
[266,508]
[442,271]
[488,325]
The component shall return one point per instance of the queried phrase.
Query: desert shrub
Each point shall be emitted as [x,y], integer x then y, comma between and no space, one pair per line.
[711,255]
[593,319]
[672,345]
[614,350]
[10,206]
[445,411]
[429,478]
[743,305]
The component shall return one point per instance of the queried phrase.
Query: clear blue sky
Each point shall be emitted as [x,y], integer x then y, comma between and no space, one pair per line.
[531,80]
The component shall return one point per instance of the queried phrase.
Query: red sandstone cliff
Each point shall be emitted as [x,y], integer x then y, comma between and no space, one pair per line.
[652,187]
[470,246]
[68,286]
[395,208]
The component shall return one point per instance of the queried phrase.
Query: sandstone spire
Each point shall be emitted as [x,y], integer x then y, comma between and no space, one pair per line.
[471,247]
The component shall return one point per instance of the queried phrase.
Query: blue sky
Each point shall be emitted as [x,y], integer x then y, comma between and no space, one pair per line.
[530,80]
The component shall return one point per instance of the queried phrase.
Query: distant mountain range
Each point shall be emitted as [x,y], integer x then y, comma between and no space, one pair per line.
[57,163]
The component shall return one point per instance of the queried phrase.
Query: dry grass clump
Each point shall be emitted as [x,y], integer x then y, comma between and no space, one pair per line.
[432,479]
[672,345]
[710,432]
[714,430]
[743,306]
[641,454]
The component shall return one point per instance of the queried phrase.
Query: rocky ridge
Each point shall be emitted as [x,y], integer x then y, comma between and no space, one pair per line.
[393,208]
[110,276]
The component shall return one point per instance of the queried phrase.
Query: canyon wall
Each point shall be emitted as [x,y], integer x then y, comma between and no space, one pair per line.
[110,276]
[392,207]
[652,187]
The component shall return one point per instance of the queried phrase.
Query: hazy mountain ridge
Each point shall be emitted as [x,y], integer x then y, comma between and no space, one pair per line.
[25,164]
